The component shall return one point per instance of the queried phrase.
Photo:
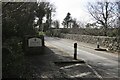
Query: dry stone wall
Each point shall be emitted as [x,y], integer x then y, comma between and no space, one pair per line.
[112,43]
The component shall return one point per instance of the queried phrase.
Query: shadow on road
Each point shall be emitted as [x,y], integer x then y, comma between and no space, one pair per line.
[44,66]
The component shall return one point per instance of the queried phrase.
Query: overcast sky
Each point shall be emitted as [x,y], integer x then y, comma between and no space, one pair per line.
[77,8]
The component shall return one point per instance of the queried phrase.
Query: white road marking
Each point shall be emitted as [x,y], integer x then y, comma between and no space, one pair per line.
[70,66]
[81,75]
[95,72]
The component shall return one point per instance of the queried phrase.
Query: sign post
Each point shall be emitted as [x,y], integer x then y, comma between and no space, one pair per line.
[33,44]
[75,51]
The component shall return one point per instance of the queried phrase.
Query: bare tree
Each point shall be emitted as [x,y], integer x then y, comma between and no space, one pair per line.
[103,13]
[118,18]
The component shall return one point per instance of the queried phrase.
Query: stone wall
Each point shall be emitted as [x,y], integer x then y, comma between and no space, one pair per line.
[112,43]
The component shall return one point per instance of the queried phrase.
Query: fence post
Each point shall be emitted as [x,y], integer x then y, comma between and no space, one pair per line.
[75,51]
[98,45]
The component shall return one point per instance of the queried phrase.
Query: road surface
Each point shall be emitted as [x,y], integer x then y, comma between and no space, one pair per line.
[103,63]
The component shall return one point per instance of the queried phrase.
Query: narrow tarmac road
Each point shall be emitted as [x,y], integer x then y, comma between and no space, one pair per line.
[103,63]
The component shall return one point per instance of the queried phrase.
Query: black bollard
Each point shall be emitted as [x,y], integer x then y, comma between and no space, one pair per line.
[75,51]
[98,45]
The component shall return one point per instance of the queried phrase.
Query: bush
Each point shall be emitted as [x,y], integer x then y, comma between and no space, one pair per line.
[112,32]
[41,33]
[12,58]
[49,33]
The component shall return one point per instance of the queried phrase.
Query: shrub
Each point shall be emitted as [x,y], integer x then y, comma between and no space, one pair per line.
[12,58]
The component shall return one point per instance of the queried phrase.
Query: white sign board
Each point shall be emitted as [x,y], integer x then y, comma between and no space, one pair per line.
[34,42]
